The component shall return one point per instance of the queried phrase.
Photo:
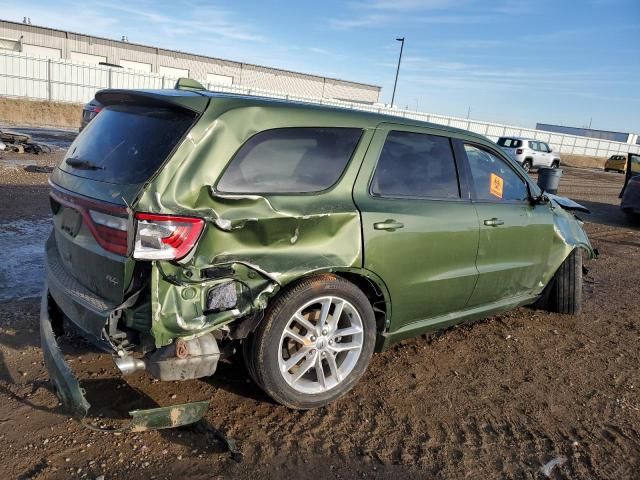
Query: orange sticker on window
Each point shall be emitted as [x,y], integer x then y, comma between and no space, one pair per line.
[497,185]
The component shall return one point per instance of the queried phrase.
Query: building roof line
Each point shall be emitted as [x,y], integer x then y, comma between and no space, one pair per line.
[158,49]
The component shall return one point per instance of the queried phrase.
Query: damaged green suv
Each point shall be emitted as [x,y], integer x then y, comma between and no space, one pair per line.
[190,225]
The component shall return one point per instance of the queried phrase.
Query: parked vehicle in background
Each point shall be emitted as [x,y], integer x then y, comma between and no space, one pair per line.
[630,193]
[89,111]
[529,153]
[191,224]
[617,163]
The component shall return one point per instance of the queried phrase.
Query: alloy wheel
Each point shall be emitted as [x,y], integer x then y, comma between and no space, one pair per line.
[320,345]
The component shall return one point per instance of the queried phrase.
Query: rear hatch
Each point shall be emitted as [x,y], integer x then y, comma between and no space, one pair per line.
[510,145]
[102,173]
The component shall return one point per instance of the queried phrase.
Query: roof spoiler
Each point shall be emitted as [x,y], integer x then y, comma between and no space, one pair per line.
[187,100]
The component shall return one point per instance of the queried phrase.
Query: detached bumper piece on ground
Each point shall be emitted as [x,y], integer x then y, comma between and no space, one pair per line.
[71,394]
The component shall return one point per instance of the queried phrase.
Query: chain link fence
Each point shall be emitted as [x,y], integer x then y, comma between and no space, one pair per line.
[61,80]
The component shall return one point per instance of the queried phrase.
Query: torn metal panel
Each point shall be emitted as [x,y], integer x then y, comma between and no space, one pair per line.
[567,203]
[72,397]
[568,235]
[181,305]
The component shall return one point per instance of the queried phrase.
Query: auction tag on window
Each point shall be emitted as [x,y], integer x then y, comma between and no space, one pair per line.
[497,185]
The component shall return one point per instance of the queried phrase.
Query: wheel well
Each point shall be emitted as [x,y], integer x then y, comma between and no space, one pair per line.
[373,293]
[242,328]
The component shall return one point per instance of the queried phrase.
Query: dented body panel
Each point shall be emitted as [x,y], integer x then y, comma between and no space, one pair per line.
[267,241]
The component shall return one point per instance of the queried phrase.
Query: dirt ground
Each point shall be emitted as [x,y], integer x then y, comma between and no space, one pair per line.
[19,111]
[497,399]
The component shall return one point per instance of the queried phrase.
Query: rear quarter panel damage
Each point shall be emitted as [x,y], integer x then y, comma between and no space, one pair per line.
[263,241]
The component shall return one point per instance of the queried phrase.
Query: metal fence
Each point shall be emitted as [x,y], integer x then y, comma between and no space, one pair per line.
[61,80]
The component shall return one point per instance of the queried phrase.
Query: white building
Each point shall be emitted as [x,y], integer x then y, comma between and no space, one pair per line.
[42,42]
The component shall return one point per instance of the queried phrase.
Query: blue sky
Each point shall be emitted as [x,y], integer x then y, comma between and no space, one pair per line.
[511,61]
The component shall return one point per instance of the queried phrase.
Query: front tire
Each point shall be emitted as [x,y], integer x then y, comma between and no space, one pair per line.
[565,295]
[526,165]
[314,343]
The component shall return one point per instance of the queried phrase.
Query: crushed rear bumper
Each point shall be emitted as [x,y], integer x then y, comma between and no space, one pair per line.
[72,397]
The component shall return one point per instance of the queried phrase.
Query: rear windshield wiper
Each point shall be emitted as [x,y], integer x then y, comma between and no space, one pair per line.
[82,164]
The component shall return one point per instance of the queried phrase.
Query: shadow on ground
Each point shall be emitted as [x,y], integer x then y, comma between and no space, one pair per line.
[607,214]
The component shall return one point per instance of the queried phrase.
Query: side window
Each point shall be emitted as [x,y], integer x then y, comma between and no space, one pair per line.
[493,179]
[534,146]
[290,160]
[544,147]
[416,165]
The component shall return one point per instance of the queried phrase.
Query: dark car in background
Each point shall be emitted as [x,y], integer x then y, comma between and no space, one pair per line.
[630,193]
[89,111]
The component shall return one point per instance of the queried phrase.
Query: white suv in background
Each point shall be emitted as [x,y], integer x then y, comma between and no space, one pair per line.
[529,153]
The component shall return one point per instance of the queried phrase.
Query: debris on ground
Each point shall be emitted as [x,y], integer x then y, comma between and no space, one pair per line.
[17,142]
[551,464]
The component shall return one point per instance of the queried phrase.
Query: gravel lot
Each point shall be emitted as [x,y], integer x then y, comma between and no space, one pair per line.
[497,399]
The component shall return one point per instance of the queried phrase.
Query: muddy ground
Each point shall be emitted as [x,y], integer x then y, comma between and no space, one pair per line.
[497,399]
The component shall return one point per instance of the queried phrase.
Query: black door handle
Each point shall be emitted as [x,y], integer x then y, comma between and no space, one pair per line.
[493,222]
[388,224]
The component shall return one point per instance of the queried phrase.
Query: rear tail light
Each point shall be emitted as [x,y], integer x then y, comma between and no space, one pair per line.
[110,231]
[165,237]
[107,223]
[519,151]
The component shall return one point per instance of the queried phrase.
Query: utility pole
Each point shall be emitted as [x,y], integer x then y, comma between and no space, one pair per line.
[469,113]
[393,96]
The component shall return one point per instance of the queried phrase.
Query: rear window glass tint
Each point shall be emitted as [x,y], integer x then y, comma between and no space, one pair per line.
[290,160]
[126,144]
[510,142]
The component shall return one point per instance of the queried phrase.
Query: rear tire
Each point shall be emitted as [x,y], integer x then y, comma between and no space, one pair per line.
[526,165]
[565,295]
[305,358]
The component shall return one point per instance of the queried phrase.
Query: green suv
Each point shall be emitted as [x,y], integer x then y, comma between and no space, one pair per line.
[190,225]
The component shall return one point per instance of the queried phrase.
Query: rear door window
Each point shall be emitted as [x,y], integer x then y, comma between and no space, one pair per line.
[416,165]
[126,144]
[493,179]
[290,160]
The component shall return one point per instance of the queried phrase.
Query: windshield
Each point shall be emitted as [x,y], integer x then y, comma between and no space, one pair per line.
[126,144]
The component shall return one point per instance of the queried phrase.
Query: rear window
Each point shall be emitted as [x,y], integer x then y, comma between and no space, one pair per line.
[126,144]
[510,142]
[290,160]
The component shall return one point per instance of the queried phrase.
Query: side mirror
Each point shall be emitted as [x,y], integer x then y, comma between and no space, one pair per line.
[541,199]
[550,149]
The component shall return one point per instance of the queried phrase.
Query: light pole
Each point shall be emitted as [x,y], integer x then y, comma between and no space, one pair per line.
[393,96]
